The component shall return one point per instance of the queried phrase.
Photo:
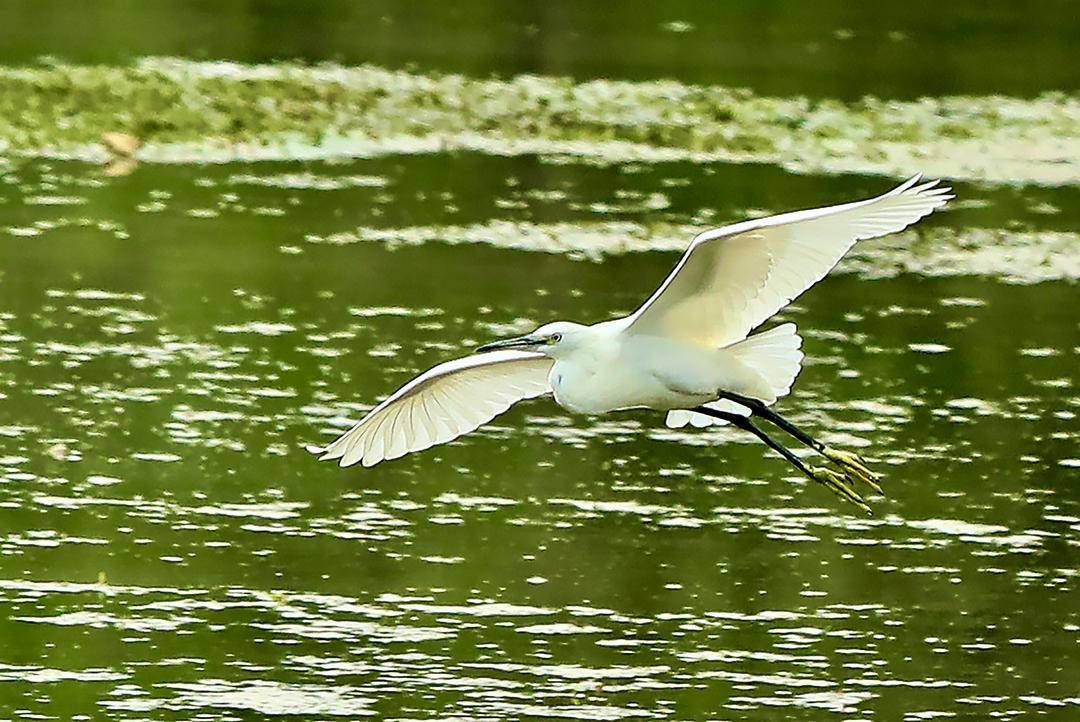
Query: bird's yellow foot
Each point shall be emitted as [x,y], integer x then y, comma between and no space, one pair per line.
[837,483]
[853,466]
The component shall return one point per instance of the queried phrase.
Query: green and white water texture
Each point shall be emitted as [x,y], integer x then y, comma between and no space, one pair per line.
[296,238]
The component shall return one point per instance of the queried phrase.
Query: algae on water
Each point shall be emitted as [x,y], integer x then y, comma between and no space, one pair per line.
[187,111]
[1020,257]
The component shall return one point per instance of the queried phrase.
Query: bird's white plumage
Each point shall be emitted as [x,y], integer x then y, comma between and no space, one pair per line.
[683,347]
[732,279]
[775,355]
[441,404]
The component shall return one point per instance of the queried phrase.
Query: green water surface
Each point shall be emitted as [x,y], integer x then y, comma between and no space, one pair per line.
[172,338]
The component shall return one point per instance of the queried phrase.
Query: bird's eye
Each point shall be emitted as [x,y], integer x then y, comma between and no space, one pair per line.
[556,337]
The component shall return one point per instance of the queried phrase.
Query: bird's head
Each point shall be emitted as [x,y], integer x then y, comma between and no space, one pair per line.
[551,339]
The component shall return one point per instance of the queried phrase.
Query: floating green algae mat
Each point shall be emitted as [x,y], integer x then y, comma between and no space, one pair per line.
[1012,256]
[197,111]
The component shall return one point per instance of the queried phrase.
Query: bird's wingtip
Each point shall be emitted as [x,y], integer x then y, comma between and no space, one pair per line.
[327,453]
[908,183]
[931,189]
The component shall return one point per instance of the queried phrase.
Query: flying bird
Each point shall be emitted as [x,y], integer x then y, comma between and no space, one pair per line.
[687,350]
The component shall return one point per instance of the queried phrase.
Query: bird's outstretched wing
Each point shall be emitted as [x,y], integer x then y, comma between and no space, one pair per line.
[443,403]
[732,279]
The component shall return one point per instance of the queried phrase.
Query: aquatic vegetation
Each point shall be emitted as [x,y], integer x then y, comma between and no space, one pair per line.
[200,111]
[1013,256]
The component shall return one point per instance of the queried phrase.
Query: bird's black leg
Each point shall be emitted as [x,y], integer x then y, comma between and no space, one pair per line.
[835,482]
[854,466]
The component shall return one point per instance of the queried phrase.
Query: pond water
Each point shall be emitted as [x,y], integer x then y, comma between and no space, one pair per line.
[171,340]
[173,337]
[829,48]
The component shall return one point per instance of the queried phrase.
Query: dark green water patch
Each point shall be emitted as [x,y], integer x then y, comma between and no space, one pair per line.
[830,49]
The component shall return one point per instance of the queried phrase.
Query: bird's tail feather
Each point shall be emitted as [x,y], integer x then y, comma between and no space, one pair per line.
[775,355]
[679,418]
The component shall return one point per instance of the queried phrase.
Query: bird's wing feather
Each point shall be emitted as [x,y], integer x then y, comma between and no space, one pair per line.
[731,279]
[443,403]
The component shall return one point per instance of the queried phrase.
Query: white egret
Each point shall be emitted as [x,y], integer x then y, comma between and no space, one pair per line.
[686,350]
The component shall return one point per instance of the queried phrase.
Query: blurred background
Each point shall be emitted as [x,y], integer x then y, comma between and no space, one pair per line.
[827,49]
[228,228]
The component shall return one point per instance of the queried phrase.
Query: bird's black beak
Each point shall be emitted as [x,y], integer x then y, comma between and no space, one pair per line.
[528,341]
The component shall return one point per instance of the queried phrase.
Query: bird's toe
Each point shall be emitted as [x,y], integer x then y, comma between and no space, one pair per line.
[838,484]
[854,467]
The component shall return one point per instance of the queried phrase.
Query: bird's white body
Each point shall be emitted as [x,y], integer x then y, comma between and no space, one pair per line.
[685,351]
[607,369]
